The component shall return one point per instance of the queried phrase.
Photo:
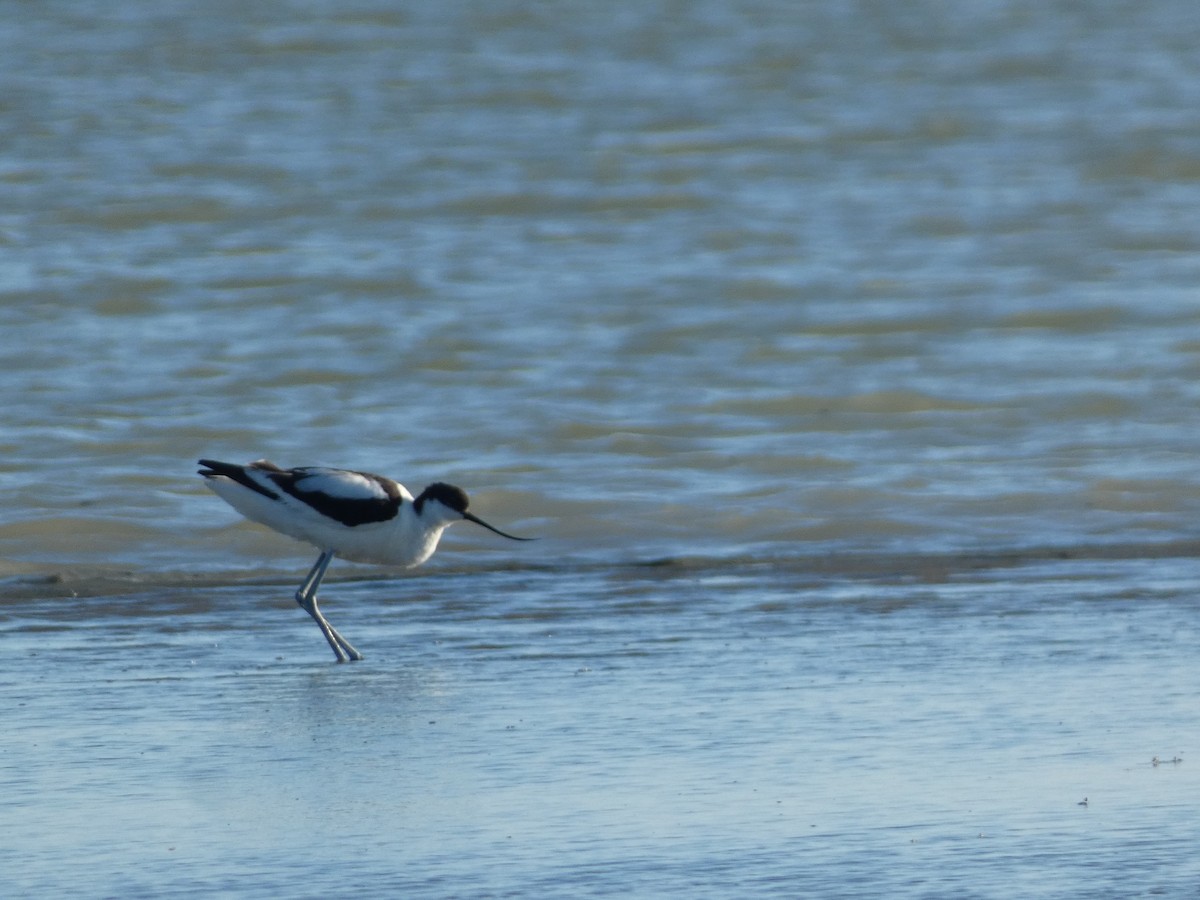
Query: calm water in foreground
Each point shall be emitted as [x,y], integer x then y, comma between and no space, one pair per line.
[845,357]
[657,730]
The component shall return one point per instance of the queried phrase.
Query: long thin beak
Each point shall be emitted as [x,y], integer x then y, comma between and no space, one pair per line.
[479,521]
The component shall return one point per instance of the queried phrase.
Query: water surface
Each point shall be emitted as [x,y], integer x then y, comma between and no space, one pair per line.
[843,356]
[655,730]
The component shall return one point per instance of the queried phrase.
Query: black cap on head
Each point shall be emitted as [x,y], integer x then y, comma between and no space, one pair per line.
[448,495]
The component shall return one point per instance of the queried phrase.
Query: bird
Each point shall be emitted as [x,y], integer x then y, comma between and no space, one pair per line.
[358,516]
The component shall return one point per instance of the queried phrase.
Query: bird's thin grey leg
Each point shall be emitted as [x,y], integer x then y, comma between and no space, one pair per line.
[345,644]
[306,596]
[313,579]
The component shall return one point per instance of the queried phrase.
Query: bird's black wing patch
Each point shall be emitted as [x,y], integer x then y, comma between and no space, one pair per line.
[351,498]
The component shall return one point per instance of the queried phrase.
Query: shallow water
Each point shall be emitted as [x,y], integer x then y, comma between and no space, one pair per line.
[843,357]
[646,729]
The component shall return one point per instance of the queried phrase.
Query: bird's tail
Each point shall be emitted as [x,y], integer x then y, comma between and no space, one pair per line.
[213,468]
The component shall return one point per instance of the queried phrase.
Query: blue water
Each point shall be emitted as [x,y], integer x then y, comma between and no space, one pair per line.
[843,357]
[647,730]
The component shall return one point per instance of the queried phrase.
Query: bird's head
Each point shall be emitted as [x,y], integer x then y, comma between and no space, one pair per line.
[451,502]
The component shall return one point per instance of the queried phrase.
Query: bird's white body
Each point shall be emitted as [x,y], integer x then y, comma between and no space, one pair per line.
[406,540]
[355,515]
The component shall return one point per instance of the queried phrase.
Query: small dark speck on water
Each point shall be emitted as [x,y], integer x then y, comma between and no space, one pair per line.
[1156,762]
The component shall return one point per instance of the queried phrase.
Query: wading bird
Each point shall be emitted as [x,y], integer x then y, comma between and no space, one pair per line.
[356,515]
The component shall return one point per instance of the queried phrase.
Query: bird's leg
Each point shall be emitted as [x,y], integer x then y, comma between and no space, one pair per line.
[345,644]
[313,579]
[306,596]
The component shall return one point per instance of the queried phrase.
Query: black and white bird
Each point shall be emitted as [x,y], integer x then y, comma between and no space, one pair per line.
[355,515]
